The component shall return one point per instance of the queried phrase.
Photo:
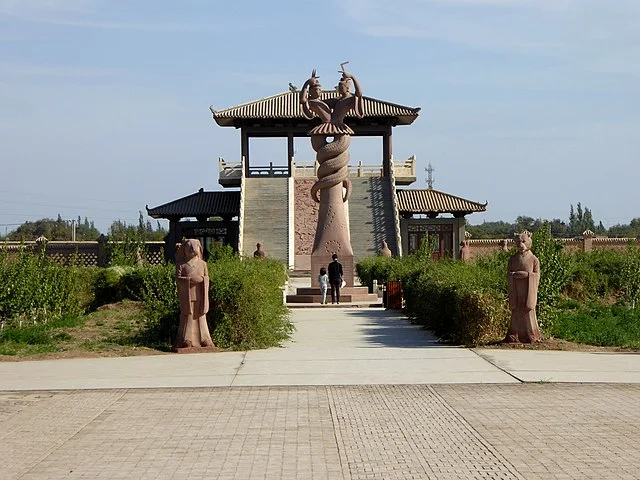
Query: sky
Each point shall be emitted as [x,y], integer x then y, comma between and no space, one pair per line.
[530,105]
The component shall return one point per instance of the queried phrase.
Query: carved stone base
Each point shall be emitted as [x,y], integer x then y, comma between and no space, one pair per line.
[318,261]
[195,349]
[359,295]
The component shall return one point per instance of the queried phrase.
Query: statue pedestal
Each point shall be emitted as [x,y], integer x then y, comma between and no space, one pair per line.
[318,261]
[348,295]
[195,349]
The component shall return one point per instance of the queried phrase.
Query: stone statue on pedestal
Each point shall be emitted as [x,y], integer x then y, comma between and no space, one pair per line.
[259,252]
[465,253]
[331,140]
[523,276]
[385,251]
[192,279]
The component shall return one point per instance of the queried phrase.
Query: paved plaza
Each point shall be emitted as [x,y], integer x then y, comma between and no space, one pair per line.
[356,394]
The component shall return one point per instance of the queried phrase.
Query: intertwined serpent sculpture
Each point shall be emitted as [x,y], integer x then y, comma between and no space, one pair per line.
[333,158]
[332,232]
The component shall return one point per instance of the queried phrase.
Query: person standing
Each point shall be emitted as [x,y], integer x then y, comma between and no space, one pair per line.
[323,280]
[335,278]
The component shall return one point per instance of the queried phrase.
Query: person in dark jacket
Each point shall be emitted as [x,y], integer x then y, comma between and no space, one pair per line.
[335,278]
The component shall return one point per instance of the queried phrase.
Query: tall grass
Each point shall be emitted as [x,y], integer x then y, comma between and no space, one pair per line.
[597,324]
[34,289]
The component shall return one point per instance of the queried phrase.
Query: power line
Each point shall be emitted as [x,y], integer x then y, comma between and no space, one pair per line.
[65,206]
[62,196]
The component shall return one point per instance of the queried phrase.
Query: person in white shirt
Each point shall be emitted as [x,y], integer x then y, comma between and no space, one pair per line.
[323,280]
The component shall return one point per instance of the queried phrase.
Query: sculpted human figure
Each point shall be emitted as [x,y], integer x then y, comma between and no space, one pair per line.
[259,253]
[465,252]
[385,251]
[192,278]
[523,277]
[311,102]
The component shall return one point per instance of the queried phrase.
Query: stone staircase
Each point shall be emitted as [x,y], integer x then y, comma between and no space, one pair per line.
[371,216]
[349,296]
[266,217]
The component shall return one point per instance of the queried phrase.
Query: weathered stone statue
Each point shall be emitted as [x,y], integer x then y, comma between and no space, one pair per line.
[523,276]
[259,253]
[333,187]
[465,253]
[385,251]
[192,278]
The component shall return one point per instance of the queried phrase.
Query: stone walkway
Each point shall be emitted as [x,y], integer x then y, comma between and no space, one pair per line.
[411,415]
[526,431]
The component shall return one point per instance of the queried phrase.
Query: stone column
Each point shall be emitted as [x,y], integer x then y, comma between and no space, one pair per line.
[587,240]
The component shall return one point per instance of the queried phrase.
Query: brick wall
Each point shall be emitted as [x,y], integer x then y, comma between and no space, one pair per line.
[481,247]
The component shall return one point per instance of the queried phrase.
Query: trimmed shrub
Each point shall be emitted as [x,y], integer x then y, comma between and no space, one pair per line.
[375,268]
[246,307]
[245,303]
[460,302]
[159,294]
[109,286]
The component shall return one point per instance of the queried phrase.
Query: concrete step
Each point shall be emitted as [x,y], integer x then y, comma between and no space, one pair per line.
[347,295]
[367,298]
[343,291]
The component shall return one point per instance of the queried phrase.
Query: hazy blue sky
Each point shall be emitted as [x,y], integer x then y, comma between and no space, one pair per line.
[529,104]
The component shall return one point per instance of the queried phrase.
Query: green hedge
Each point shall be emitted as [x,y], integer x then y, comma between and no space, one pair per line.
[245,303]
[246,307]
[466,302]
[460,302]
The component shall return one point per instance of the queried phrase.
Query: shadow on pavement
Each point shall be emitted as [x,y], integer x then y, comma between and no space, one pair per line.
[391,329]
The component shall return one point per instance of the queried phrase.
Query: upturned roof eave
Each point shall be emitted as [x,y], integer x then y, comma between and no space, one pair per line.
[227,118]
[469,205]
[178,208]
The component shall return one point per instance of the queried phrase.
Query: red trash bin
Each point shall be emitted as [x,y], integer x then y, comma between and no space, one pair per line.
[394,295]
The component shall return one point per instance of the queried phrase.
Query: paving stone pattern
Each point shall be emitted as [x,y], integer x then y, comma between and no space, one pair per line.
[529,431]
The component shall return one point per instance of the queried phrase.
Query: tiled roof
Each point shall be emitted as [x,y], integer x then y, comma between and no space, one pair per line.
[433,201]
[287,105]
[199,204]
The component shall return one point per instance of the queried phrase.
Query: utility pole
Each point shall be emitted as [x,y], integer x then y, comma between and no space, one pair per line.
[430,178]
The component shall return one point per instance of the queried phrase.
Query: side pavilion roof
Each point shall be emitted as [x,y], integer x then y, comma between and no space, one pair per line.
[199,204]
[429,201]
[286,105]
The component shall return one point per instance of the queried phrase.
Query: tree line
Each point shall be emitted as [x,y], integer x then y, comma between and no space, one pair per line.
[62,230]
[580,220]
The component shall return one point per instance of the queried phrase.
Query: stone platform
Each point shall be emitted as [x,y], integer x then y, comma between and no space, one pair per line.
[347,295]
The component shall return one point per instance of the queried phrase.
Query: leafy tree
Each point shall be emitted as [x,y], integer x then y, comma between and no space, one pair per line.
[143,231]
[632,230]
[497,229]
[527,223]
[58,229]
[559,228]
[580,220]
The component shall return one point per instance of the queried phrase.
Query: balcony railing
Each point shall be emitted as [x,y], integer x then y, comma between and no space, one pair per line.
[404,170]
